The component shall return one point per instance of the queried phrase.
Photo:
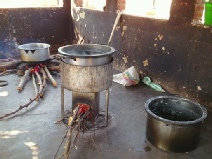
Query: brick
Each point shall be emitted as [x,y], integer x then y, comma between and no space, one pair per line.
[121,7]
[79,3]
[199,7]
[121,4]
[121,1]
[198,15]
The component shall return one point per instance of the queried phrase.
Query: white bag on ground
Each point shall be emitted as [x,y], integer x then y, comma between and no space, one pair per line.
[128,77]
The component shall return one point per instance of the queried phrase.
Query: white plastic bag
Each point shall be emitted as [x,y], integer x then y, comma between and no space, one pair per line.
[128,77]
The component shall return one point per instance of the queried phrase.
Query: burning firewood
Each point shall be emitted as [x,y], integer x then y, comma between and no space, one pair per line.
[54,83]
[39,78]
[35,71]
[54,68]
[68,133]
[24,79]
[44,82]
[39,81]
[81,113]
[34,84]
[42,73]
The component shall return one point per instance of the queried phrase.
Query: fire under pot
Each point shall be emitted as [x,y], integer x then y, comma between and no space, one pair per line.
[86,70]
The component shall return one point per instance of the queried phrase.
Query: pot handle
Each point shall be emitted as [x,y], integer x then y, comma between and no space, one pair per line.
[32,51]
[65,59]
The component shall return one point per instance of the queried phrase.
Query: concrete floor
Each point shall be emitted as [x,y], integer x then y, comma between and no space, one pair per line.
[32,134]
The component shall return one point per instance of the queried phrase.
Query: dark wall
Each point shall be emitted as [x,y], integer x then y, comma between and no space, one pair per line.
[25,25]
[172,52]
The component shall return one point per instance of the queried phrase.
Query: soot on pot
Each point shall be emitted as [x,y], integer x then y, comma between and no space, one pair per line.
[84,52]
[175,111]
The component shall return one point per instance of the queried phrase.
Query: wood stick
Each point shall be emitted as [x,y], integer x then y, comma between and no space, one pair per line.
[54,68]
[114,26]
[6,72]
[23,106]
[20,107]
[8,64]
[44,73]
[24,79]
[34,84]
[80,118]
[39,78]
[43,83]
[54,83]
[61,143]
[74,140]
[39,83]
[75,125]
[68,143]
[68,133]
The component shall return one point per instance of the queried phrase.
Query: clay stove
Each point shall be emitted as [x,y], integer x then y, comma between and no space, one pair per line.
[86,70]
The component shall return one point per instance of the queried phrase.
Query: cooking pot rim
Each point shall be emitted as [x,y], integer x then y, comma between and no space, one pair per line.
[112,50]
[27,46]
[203,109]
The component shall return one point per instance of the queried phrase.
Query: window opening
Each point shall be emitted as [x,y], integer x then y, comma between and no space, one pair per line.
[30,3]
[91,4]
[149,8]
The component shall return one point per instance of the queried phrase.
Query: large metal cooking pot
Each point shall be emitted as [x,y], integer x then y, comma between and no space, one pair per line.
[34,52]
[174,123]
[86,67]
[86,54]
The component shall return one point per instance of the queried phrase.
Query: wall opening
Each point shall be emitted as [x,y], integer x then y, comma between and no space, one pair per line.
[30,3]
[148,8]
[91,4]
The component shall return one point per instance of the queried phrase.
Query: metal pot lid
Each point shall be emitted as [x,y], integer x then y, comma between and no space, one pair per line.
[33,46]
[86,50]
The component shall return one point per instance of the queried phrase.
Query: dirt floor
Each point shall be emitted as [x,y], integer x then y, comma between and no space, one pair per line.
[32,133]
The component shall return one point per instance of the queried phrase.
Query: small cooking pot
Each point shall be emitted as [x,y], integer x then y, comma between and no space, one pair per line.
[34,52]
